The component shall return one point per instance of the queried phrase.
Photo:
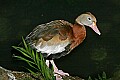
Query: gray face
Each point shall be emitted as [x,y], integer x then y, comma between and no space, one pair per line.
[89,20]
[86,19]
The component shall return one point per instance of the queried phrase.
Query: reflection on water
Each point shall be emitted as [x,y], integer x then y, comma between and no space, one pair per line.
[98,54]
[94,55]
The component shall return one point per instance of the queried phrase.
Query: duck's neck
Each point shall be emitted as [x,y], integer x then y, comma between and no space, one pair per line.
[79,33]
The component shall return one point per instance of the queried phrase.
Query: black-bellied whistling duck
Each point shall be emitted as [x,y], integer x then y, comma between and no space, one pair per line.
[57,38]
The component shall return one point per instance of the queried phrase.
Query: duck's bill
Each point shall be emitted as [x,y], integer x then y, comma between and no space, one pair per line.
[94,27]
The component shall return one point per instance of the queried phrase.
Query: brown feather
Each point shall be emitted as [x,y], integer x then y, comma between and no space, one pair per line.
[58,31]
[54,41]
[79,32]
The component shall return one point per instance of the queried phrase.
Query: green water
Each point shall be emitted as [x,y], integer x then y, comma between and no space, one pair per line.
[94,55]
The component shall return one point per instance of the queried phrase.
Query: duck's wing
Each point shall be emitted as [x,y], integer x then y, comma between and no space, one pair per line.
[52,34]
[49,30]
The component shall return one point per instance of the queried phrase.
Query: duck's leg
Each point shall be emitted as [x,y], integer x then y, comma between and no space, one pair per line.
[47,62]
[56,71]
[58,77]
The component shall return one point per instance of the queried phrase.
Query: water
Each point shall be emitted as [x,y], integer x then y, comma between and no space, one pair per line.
[94,55]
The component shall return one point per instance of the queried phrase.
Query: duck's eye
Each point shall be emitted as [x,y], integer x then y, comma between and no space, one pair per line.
[89,18]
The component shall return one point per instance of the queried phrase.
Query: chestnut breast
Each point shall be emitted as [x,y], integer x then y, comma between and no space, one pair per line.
[79,32]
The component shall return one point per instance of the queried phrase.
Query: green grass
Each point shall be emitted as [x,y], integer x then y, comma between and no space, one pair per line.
[102,77]
[35,61]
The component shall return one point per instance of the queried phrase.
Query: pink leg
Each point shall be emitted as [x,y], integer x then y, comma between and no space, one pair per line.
[58,77]
[47,62]
[56,71]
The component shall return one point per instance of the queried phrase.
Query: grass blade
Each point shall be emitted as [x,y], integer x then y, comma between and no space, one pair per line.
[26,47]
[32,72]
[38,61]
[89,78]
[104,75]
[32,66]
[23,51]
[21,58]
[99,77]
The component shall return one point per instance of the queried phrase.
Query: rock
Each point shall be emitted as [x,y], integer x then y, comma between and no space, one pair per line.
[16,75]
[13,75]
[6,74]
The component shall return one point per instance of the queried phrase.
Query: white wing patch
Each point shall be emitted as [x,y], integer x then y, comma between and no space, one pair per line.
[53,46]
[51,49]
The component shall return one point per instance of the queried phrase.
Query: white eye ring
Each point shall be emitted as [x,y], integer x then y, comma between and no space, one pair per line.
[89,18]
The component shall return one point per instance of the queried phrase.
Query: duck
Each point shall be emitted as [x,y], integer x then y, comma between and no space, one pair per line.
[58,38]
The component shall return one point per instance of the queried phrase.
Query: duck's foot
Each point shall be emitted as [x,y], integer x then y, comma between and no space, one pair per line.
[56,71]
[58,77]
[60,72]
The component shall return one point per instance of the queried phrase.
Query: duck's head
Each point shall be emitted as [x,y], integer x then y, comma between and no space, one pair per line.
[88,19]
